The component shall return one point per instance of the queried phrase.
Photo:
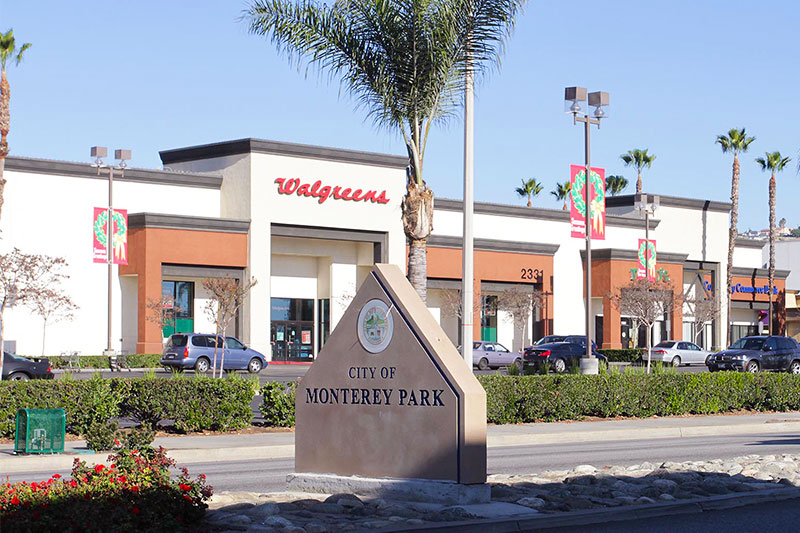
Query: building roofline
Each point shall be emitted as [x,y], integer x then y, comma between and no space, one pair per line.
[193,223]
[617,254]
[494,245]
[140,175]
[448,204]
[671,201]
[747,272]
[261,146]
[743,242]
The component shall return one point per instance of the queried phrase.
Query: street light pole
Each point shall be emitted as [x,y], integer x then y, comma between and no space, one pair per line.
[98,153]
[467,278]
[576,95]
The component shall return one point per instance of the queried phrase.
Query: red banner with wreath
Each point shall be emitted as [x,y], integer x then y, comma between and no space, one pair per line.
[597,201]
[647,258]
[119,236]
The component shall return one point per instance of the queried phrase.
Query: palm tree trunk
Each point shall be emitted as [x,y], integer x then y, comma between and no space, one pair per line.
[771,244]
[529,200]
[639,183]
[566,201]
[732,234]
[5,124]
[417,209]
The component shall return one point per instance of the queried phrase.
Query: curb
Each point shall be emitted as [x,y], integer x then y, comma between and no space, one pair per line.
[538,521]
[21,464]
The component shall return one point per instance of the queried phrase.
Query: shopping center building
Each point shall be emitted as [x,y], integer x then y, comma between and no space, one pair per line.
[308,223]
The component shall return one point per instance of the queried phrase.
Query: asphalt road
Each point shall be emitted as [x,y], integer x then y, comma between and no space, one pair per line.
[270,475]
[775,516]
[283,373]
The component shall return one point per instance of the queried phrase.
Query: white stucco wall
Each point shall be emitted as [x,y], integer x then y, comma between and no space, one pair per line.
[52,214]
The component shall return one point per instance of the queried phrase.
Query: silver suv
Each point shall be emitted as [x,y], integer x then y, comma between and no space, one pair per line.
[194,350]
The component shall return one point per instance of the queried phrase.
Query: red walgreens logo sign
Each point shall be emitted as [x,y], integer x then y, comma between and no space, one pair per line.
[322,193]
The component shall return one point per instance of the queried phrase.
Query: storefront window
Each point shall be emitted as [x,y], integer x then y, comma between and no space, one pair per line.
[181,294]
[324,322]
[489,318]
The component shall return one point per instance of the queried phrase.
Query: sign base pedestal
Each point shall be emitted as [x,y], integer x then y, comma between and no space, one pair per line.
[419,490]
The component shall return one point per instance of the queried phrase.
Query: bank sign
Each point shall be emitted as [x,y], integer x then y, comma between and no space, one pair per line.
[744,289]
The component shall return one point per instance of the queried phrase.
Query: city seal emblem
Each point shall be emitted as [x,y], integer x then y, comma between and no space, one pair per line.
[375,326]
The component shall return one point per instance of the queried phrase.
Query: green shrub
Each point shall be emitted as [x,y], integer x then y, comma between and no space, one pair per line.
[628,355]
[102,436]
[140,360]
[192,404]
[277,408]
[138,438]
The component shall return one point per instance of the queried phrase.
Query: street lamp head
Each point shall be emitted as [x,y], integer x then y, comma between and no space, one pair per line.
[599,100]
[573,96]
[122,156]
[98,153]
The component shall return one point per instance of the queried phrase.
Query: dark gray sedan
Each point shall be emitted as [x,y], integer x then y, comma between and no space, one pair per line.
[21,369]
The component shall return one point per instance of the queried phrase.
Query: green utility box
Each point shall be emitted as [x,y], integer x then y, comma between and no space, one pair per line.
[40,431]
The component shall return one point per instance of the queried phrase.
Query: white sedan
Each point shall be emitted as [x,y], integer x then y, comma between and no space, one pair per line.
[486,354]
[677,353]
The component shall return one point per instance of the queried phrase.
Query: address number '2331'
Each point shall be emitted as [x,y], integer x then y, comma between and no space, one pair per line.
[531,273]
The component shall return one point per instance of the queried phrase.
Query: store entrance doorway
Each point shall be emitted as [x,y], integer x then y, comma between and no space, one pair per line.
[292,341]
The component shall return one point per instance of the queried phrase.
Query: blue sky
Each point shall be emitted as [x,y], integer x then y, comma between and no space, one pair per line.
[152,75]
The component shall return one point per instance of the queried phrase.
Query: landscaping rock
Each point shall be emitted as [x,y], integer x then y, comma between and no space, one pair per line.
[533,503]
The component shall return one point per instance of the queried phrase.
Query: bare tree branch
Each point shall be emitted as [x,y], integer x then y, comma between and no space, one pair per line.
[226,297]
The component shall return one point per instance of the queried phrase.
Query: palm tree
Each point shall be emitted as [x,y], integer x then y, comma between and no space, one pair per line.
[638,159]
[615,184]
[530,188]
[773,162]
[404,62]
[735,141]
[561,192]
[8,50]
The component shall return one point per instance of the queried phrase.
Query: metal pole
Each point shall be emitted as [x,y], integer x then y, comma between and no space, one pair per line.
[467,307]
[588,228]
[109,246]
[647,267]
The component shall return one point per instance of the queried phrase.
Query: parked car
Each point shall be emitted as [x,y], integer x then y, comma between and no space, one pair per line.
[194,350]
[560,356]
[21,369]
[547,339]
[575,339]
[758,352]
[487,354]
[677,353]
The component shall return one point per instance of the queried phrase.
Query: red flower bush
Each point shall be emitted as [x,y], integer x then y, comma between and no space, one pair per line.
[136,493]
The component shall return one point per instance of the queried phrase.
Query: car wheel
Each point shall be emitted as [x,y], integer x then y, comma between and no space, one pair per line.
[676,361]
[255,365]
[752,367]
[794,368]
[19,376]
[518,363]
[560,366]
[483,364]
[202,365]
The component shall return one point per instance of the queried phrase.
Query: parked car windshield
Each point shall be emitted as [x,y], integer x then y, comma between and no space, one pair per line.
[476,345]
[177,341]
[747,344]
[664,344]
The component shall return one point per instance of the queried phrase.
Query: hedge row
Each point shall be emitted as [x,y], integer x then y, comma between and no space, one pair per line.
[192,404]
[135,360]
[628,355]
[572,397]
[517,399]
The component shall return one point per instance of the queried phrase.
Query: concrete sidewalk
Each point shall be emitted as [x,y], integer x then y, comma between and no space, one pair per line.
[280,444]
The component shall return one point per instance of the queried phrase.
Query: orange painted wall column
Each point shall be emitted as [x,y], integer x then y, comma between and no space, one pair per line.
[612,333]
[149,248]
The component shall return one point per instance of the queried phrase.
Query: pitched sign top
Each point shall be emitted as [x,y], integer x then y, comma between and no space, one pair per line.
[389,396]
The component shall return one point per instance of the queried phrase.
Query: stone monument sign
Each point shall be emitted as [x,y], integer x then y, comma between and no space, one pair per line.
[389,396]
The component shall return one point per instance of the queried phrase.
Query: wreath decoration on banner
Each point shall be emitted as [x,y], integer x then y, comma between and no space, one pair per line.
[648,248]
[577,192]
[100,227]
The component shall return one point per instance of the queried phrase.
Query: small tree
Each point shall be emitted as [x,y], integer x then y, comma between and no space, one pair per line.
[452,305]
[162,311]
[21,277]
[703,310]
[226,297]
[646,301]
[520,303]
[52,305]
